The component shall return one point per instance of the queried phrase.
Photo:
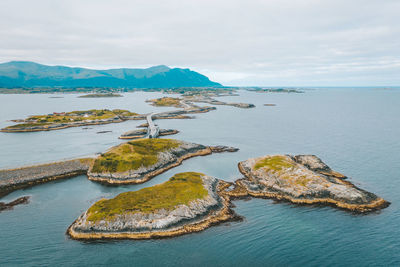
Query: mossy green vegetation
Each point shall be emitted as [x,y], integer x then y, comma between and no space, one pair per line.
[276,163]
[180,189]
[132,155]
[86,161]
[302,180]
[73,116]
[27,125]
[167,102]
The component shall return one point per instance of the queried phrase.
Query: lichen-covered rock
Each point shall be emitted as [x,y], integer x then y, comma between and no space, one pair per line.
[139,160]
[304,179]
[154,212]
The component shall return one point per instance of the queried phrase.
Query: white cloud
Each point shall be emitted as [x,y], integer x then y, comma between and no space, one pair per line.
[247,42]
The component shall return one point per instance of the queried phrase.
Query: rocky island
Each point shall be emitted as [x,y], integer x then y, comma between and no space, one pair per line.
[212,101]
[302,179]
[187,202]
[62,120]
[139,160]
[274,90]
[10,205]
[187,102]
[100,95]
[166,102]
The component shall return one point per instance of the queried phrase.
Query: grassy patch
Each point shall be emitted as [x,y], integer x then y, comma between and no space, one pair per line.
[276,163]
[123,112]
[73,116]
[86,161]
[182,188]
[27,125]
[133,155]
[166,102]
[302,180]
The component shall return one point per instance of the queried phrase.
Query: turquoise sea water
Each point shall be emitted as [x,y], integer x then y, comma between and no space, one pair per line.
[354,130]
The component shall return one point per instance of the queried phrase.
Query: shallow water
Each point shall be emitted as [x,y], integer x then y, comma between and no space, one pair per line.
[355,131]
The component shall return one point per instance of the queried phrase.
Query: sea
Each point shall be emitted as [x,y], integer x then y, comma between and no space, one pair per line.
[356,131]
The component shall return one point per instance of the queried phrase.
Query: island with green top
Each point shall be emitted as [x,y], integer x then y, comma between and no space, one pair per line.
[302,179]
[166,102]
[62,120]
[187,102]
[139,160]
[188,202]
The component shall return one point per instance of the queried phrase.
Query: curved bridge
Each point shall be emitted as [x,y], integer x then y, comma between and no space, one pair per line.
[152,130]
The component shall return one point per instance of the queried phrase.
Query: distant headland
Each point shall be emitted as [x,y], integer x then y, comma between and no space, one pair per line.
[16,74]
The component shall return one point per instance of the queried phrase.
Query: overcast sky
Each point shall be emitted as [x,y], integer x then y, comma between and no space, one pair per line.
[248,42]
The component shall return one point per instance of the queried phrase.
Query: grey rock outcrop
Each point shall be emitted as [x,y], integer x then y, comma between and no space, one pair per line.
[166,160]
[159,220]
[304,179]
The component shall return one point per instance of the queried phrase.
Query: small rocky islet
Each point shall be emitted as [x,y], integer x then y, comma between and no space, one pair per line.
[10,205]
[139,160]
[187,102]
[302,179]
[187,202]
[100,95]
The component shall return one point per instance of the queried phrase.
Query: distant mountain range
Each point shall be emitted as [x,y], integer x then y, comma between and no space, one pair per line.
[30,74]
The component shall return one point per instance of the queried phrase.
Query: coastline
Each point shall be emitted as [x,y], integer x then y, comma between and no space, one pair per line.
[24,177]
[148,176]
[40,129]
[224,214]
[241,191]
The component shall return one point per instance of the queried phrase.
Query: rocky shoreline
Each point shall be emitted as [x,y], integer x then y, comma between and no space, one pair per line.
[299,179]
[183,219]
[59,126]
[141,133]
[24,177]
[166,160]
[14,179]
[187,102]
[178,114]
[209,100]
[10,205]
[302,179]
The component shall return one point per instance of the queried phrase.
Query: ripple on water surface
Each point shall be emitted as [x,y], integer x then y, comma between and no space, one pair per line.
[331,123]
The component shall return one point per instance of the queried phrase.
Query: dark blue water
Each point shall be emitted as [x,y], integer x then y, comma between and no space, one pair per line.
[355,131]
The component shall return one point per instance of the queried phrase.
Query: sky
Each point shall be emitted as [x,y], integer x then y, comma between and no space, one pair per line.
[241,43]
